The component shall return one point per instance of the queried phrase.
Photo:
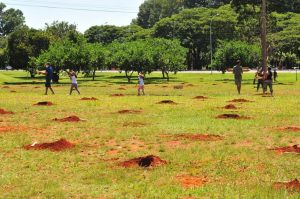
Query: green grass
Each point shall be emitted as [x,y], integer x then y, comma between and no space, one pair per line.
[240,166]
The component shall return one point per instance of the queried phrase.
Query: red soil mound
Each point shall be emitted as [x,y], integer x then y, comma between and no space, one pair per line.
[13,91]
[72,118]
[231,116]
[59,145]
[117,95]
[148,161]
[44,104]
[191,181]
[240,100]
[200,97]
[190,85]
[122,89]
[166,102]
[2,112]
[200,137]
[230,106]
[178,87]
[288,149]
[87,98]
[290,128]
[129,111]
[292,185]
[5,87]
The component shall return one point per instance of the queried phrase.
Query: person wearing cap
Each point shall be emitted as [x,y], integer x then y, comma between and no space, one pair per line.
[238,71]
[268,81]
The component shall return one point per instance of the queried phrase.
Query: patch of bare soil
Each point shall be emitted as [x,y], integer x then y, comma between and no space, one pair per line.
[240,100]
[290,128]
[4,129]
[200,137]
[191,181]
[230,106]
[3,112]
[287,149]
[126,111]
[37,87]
[134,124]
[178,87]
[164,86]
[200,97]
[166,102]
[232,116]
[293,185]
[5,87]
[88,98]
[190,85]
[117,95]
[122,89]
[12,91]
[59,145]
[147,161]
[72,118]
[44,104]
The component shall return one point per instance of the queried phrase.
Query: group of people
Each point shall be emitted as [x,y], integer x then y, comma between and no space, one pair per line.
[264,78]
[73,77]
[49,75]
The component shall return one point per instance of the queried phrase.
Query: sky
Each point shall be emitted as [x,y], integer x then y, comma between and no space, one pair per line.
[83,13]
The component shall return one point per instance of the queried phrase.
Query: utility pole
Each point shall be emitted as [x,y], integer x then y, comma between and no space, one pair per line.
[264,35]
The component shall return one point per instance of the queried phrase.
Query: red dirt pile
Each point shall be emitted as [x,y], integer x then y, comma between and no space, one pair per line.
[240,100]
[288,149]
[148,161]
[5,87]
[166,102]
[200,137]
[178,87]
[44,104]
[230,106]
[122,89]
[200,97]
[87,98]
[13,91]
[3,112]
[59,145]
[290,128]
[117,95]
[191,181]
[293,185]
[231,116]
[72,118]
[129,111]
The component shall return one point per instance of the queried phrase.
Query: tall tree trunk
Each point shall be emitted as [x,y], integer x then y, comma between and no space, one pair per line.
[167,74]
[163,74]
[94,74]
[128,76]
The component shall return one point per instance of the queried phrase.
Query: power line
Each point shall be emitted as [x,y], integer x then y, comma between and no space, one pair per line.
[69,8]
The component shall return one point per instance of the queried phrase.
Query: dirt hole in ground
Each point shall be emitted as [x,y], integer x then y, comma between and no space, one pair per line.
[88,98]
[200,137]
[232,116]
[240,100]
[134,124]
[166,102]
[3,112]
[293,185]
[129,111]
[59,145]
[230,106]
[200,97]
[117,95]
[287,149]
[44,104]
[72,118]
[178,87]
[290,128]
[191,181]
[147,161]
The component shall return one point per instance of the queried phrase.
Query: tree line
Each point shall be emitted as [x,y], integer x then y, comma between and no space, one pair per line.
[167,35]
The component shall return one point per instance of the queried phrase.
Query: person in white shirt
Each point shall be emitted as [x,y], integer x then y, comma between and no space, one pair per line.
[141,83]
[73,76]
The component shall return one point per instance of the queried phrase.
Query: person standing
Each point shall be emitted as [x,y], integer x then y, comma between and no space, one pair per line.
[73,76]
[260,80]
[268,81]
[48,76]
[141,83]
[238,71]
[275,75]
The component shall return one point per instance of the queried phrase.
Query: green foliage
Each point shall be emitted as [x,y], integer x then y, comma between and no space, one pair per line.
[104,34]
[10,20]
[60,30]
[230,51]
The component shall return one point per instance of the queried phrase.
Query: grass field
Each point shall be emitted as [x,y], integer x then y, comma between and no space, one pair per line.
[238,165]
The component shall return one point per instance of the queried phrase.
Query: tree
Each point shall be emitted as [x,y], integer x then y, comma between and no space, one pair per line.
[59,30]
[10,20]
[97,55]
[229,51]
[103,34]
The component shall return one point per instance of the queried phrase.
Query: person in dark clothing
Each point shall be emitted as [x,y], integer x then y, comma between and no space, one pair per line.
[268,81]
[275,75]
[48,76]
[259,76]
